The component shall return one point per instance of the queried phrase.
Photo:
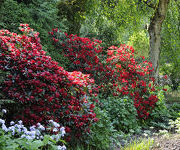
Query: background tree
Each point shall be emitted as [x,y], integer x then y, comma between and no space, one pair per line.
[156,21]
[125,14]
[40,15]
[170,45]
[73,11]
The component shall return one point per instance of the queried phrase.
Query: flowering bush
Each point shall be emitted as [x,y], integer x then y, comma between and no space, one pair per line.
[175,125]
[84,54]
[41,89]
[118,73]
[132,77]
[18,136]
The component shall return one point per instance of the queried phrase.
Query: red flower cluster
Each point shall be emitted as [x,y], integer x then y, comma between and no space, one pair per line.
[41,89]
[132,77]
[84,54]
[118,73]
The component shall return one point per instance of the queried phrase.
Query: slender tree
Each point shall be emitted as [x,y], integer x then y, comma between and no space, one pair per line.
[156,21]
[158,9]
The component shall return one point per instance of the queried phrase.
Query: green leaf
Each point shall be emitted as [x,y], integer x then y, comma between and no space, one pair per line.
[13,146]
[46,139]
[36,144]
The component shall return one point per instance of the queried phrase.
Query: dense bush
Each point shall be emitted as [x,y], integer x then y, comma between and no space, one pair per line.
[41,89]
[174,110]
[103,134]
[171,72]
[121,112]
[40,14]
[81,52]
[17,136]
[132,77]
[118,73]
[160,115]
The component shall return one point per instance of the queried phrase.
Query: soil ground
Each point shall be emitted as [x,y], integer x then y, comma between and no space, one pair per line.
[168,142]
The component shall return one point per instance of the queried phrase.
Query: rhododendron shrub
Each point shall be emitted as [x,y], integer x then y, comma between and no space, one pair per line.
[41,89]
[118,73]
[132,77]
[84,54]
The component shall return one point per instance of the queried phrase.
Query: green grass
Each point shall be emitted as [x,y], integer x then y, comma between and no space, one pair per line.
[144,144]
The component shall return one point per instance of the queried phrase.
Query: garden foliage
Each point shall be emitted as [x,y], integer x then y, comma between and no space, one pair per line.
[17,136]
[121,112]
[41,89]
[116,71]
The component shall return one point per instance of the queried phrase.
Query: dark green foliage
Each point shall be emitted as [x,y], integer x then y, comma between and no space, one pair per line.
[174,110]
[159,118]
[3,99]
[1,2]
[73,11]
[25,1]
[122,113]
[103,134]
[41,15]
[108,35]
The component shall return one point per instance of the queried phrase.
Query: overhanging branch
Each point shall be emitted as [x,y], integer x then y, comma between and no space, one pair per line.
[150,4]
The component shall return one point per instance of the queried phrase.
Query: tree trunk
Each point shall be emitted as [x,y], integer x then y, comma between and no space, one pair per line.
[154,33]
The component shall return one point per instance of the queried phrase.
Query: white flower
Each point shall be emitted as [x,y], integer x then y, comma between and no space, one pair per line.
[4,128]
[38,124]
[2,121]
[19,130]
[61,147]
[19,126]
[52,137]
[145,134]
[57,137]
[12,128]
[62,130]
[33,137]
[38,132]
[29,137]
[33,133]
[20,122]
[28,132]
[25,130]
[32,128]
[56,124]
[4,111]
[55,130]
[13,132]
[12,123]
[23,136]
[51,121]
[41,127]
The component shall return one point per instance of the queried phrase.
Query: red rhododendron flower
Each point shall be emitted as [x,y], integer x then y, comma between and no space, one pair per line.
[118,73]
[41,89]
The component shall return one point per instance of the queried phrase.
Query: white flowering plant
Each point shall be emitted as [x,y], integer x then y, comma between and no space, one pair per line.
[175,125]
[17,136]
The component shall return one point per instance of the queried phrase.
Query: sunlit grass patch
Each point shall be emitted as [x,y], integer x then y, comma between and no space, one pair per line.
[143,144]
